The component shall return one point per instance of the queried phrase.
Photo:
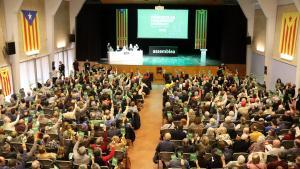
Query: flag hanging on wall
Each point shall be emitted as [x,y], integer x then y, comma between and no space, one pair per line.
[30,26]
[200,29]
[288,35]
[122,27]
[5,82]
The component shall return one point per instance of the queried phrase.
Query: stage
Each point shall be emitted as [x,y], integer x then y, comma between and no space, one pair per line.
[180,60]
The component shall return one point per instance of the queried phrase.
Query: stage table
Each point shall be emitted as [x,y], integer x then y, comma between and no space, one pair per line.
[134,57]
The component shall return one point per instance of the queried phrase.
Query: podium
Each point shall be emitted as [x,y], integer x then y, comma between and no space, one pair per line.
[203,55]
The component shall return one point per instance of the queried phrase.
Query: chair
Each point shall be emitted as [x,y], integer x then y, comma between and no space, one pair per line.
[119,155]
[164,157]
[164,131]
[208,156]
[53,136]
[291,158]
[176,123]
[186,156]
[283,131]
[46,163]
[16,146]
[287,144]
[48,111]
[271,158]
[177,143]
[104,167]
[236,155]
[29,146]
[63,164]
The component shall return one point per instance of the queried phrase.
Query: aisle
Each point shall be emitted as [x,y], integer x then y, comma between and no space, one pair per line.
[147,137]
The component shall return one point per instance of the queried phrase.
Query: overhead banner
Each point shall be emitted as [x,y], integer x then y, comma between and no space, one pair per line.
[200,29]
[122,27]
[31,34]
[288,35]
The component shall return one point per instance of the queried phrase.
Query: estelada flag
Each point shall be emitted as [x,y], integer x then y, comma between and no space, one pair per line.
[288,35]
[30,28]
[5,82]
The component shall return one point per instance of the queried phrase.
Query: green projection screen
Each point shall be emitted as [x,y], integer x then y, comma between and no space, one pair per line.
[163,24]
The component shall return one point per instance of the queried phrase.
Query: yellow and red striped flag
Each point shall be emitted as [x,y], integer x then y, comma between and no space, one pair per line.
[5,82]
[288,35]
[122,27]
[30,27]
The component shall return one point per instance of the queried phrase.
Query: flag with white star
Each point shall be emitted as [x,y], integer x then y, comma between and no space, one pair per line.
[288,35]
[30,26]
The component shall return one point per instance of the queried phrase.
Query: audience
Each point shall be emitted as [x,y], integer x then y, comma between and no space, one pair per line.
[232,122]
[85,119]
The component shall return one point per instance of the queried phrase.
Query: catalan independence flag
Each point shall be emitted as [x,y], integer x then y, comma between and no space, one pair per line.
[30,28]
[288,35]
[5,82]
[122,27]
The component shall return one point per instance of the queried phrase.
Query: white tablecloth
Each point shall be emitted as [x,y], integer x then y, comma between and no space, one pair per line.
[126,57]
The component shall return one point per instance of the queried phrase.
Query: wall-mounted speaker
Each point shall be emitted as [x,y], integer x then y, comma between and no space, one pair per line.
[10,48]
[248,40]
[72,38]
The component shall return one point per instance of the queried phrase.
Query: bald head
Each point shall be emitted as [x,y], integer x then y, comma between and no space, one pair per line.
[2,161]
[167,136]
[35,165]
[276,144]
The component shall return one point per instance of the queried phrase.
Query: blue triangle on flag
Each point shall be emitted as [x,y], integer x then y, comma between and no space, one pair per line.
[29,15]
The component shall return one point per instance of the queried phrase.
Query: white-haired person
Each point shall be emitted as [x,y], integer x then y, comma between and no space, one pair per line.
[228,123]
[210,133]
[239,163]
[242,124]
[164,146]
[255,162]
[79,154]
[259,145]
[213,123]
[222,135]
[35,164]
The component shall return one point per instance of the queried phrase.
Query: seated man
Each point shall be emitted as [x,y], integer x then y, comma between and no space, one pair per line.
[166,145]
[178,163]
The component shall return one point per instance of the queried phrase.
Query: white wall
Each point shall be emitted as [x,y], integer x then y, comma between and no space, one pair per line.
[257,67]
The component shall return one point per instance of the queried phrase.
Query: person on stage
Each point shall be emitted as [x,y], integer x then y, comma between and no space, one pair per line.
[108,46]
[87,65]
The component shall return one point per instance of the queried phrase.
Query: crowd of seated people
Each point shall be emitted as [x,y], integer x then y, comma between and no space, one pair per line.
[83,121]
[223,121]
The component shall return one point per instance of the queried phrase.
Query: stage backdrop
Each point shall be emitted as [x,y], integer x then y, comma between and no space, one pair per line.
[226,31]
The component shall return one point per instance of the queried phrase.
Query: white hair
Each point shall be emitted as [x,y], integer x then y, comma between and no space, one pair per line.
[241,159]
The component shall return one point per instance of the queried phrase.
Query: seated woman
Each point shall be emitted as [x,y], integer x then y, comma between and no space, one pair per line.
[103,160]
